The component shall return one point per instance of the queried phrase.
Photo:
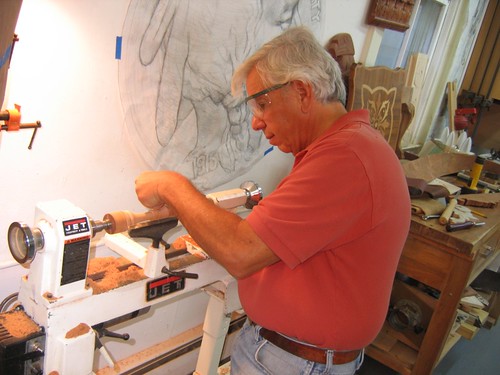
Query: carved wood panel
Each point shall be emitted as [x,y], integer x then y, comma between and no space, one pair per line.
[390,14]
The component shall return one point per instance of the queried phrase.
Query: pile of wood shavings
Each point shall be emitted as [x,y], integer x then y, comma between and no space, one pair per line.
[112,273]
[18,324]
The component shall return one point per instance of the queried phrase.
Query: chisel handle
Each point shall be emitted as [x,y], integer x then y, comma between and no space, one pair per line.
[448,211]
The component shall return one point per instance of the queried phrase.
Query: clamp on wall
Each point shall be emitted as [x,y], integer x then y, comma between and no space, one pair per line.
[12,122]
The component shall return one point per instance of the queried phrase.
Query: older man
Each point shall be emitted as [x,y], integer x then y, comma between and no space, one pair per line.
[316,258]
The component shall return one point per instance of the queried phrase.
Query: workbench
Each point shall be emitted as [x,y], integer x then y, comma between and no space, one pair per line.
[443,262]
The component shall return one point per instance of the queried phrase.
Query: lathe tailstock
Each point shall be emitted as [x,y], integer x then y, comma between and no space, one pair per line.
[60,297]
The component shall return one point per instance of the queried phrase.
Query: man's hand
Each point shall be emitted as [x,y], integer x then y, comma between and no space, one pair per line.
[150,188]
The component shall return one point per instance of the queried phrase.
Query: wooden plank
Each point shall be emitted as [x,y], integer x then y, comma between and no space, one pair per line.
[384,340]
[473,77]
[388,359]
[415,76]
[476,316]
[388,338]
[452,104]
[467,331]
[494,307]
[490,58]
[405,354]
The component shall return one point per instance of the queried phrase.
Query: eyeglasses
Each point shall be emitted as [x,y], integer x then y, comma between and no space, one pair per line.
[257,102]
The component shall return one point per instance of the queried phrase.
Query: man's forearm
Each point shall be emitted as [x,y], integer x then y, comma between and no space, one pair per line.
[222,234]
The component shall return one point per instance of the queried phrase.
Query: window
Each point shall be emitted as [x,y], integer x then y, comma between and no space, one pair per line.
[422,36]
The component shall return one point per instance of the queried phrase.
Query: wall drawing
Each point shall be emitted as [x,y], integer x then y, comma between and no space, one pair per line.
[177,60]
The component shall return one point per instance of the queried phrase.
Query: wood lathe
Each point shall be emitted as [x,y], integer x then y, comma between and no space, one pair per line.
[70,315]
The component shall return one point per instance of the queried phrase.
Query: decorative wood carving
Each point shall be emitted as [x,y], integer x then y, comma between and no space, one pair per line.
[380,91]
[390,14]
[341,48]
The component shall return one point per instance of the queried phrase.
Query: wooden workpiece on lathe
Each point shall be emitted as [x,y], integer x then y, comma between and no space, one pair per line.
[121,220]
[448,211]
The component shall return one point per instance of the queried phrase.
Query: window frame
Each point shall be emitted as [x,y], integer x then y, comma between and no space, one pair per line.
[409,32]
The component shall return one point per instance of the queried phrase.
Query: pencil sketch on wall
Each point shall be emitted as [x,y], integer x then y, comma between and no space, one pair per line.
[178,57]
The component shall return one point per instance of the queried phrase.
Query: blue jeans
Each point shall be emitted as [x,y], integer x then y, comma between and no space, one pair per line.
[254,355]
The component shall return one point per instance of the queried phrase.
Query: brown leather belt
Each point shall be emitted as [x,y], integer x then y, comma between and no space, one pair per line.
[307,352]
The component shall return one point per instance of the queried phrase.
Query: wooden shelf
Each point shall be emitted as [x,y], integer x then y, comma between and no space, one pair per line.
[400,358]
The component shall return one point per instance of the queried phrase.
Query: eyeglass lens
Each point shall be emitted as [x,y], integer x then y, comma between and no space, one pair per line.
[257,105]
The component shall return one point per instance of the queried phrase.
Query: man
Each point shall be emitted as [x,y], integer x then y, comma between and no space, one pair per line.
[315,259]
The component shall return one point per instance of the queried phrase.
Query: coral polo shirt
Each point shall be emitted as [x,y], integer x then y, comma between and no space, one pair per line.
[338,223]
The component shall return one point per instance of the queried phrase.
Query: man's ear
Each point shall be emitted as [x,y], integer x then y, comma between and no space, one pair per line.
[305,92]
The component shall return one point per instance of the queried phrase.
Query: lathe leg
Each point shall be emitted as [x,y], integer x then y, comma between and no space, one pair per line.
[73,356]
[223,301]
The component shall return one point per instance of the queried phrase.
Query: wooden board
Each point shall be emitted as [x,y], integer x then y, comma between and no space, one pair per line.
[467,331]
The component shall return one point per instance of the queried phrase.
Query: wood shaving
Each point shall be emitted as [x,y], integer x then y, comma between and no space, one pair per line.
[79,330]
[18,324]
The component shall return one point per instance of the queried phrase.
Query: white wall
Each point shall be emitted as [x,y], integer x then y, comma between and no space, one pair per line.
[347,16]
[64,74]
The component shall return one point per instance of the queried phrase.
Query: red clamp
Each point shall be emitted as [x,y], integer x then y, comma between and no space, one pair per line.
[464,117]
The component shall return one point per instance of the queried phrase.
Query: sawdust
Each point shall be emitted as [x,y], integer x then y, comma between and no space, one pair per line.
[18,324]
[97,265]
[224,369]
[79,330]
[105,274]
[179,243]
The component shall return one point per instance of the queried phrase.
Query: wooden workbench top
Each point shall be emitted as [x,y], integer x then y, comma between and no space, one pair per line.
[463,241]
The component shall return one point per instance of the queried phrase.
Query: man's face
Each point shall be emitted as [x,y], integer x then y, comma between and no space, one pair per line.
[276,114]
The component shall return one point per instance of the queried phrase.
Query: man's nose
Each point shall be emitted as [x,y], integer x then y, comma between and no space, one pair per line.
[257,123]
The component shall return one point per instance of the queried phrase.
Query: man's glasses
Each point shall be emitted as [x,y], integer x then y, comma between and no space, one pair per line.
[257,102]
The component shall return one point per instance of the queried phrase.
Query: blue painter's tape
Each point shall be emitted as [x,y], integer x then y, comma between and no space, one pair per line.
[118,49]
[268,150]
[6,56]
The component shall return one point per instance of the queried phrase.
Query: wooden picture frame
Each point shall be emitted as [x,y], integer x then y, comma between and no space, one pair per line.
[390,14]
